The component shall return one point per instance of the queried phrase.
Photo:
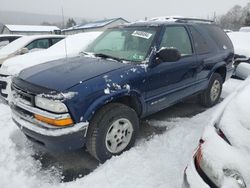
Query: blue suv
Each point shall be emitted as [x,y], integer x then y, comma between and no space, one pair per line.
[129,72]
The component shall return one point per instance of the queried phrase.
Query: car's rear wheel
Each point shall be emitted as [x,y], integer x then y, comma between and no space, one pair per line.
[112,130]
[212,94]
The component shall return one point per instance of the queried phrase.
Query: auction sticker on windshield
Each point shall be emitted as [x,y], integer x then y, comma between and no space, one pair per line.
[142,34]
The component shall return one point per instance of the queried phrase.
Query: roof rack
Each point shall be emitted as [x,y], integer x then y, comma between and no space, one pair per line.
[194,20]
[180,19]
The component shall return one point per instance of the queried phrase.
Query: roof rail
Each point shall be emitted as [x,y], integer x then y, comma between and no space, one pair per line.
[194,20]
[180,19]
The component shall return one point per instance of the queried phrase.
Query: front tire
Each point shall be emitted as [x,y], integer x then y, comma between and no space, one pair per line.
[112,130]
[212,94]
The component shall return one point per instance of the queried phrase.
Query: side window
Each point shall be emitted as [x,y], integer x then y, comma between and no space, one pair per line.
[55,40]
[200,43]
[177,37]
[219,37]
[40,43]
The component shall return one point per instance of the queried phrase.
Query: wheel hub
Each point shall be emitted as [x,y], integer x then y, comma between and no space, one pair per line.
[119,135]
[215,90]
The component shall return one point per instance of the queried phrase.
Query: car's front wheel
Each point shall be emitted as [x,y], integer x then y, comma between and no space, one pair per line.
[112,130]
[212,94]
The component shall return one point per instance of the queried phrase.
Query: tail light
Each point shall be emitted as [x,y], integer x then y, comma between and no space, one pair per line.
[198,155]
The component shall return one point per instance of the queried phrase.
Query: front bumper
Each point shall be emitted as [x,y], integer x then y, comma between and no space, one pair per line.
[60,139]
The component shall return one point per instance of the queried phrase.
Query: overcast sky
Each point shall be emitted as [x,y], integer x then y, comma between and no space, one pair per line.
[128,9]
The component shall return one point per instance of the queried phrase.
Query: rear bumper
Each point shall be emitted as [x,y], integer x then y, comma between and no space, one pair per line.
[60,139]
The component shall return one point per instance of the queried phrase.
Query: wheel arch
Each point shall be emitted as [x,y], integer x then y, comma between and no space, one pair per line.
[132,99]
[220,69]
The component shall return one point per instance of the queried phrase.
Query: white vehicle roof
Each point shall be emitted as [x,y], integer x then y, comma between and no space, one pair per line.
[74,45]
[10,35]
[22,42]
[241,41]
[31,28]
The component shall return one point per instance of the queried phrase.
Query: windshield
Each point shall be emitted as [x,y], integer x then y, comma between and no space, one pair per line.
[129,43]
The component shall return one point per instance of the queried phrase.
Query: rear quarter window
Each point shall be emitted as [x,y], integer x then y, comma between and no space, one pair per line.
[219,37]
[200,43]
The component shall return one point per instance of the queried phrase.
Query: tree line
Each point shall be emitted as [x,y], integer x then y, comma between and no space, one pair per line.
[235,18]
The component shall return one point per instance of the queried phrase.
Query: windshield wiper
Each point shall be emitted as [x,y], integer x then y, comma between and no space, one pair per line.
[88,54]
[108,56]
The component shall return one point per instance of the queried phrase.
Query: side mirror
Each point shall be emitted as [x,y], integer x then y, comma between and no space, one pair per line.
[23,51]
[168,54]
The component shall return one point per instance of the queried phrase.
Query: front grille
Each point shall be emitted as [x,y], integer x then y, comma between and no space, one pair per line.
[3,85]
[3,75]
[25,97]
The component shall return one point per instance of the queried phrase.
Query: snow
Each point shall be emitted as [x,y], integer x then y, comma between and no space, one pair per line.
[60,96]
[107,91]
[218,155]
[158,162]
[235,120]
[74,45]
[31,28]
[241,42]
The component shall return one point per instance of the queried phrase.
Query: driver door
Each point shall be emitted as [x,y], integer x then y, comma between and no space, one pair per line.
[169,82]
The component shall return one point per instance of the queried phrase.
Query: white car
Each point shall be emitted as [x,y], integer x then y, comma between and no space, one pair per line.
[242,71]
[6,39]
[70,47]
[223,156]
[240,42]
[28,43]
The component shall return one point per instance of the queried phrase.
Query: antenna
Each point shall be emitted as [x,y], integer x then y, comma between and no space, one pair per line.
[63,20]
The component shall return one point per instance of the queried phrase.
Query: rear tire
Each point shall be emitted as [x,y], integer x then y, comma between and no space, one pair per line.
[212,94]
[112,130]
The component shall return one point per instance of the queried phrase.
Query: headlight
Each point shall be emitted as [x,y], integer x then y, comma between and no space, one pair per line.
[50,105]
[235,175]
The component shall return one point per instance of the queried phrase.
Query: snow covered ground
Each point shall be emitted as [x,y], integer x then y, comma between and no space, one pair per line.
[155,162]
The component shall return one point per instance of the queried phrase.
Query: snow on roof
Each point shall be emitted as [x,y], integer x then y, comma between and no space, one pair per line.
[166,18]
[31,28]
[96,24]
[10,35]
